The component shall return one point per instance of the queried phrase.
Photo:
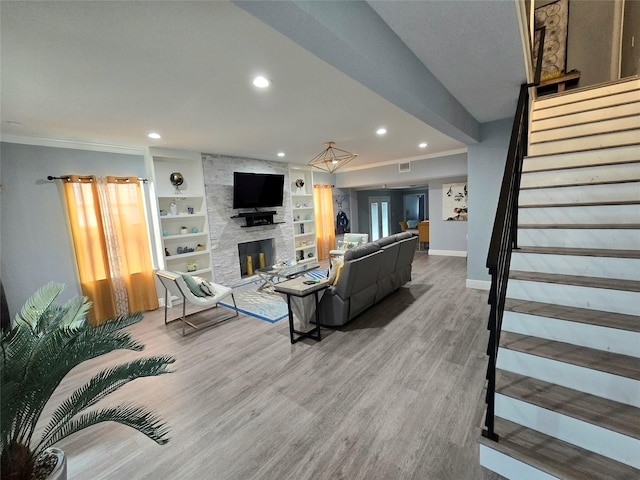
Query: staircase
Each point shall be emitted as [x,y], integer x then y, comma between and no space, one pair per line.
[567,398]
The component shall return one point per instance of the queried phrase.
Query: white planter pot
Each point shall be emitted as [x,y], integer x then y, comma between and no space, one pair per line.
[60,470]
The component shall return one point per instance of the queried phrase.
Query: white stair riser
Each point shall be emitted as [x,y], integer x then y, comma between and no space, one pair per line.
[580,159]
[603,299]
[586,175]
[585,266]
[579,238]
[598,115]
[509,467]
[604,90]
[542,111]
[585,435]
[597,337]
[581,194]
[595,382]
[592,128]
[628,137]
[583,215]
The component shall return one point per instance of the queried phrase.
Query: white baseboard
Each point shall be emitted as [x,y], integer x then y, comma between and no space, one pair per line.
[479,284]
[448,253]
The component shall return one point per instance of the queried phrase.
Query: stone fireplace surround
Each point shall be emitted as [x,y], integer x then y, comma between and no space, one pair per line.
[225,232]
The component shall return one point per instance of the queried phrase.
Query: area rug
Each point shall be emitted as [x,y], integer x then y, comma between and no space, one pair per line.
[268,306]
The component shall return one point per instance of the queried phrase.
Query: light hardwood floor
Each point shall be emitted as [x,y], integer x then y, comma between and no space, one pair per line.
[396,394]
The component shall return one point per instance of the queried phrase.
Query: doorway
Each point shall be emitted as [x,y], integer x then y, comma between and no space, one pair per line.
[379,217]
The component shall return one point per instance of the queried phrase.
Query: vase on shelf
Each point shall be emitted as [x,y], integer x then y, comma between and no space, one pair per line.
[173,208]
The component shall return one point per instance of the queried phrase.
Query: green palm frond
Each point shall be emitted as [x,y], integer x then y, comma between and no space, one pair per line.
[39,303]
[143,420]
[101,385]
[45,343]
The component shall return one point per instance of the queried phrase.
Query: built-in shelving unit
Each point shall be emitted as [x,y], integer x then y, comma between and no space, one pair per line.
[182,228]
[303,213]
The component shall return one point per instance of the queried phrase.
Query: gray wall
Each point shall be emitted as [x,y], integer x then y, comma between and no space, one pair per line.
[591,36]
[444,235]
[486,167]
[36,244]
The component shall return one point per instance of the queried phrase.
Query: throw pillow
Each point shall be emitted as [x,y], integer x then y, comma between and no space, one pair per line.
[333,268]
[193,286]
[412,223]
[207,288]
[338,271]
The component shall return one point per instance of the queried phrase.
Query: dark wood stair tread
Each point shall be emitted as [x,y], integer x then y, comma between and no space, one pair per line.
[582,204]
[555,457]
[613,363]
[589,408]
[574,314]
[578,226]
[581,252]
[576,280]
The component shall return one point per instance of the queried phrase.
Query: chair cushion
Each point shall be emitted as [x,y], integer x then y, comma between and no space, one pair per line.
[193,286]
[207,288]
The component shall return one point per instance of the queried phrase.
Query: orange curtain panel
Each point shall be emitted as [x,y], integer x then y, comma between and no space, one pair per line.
[325,231]
[132,240]
[90,246]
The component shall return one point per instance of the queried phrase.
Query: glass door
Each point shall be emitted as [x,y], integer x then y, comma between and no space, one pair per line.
[379,217]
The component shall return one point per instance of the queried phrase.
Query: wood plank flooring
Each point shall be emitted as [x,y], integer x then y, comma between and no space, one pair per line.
[398,393]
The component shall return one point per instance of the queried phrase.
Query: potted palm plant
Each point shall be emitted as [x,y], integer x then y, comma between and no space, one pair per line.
[45,342]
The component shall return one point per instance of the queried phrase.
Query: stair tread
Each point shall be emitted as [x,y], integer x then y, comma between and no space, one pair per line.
[581,252]
[613,363]
[594,282]
[579,184]
[557,458]
[598,411]
[581,204]
[594,226]
[574,314]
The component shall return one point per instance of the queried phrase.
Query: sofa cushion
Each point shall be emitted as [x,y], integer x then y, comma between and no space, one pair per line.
[384,241]
[360,251]
[403,235]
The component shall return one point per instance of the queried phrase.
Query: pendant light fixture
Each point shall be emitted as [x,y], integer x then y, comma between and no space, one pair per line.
[331,158]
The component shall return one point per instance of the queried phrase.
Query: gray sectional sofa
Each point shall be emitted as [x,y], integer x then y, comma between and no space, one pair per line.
[370,272]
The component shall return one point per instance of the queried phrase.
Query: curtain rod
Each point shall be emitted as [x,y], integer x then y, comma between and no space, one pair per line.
[143,180]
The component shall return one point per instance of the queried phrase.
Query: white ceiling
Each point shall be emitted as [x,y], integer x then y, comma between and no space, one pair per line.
[111,72]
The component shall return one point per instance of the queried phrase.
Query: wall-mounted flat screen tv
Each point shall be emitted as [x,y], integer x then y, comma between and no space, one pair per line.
[257,190]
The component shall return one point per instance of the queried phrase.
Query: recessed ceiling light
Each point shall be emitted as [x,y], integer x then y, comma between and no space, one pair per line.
[261,82]
[381,131]
[155,136]
[423,145]
[281,154]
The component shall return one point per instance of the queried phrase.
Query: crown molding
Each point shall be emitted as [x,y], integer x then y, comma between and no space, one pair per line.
[404,160]
[55,143]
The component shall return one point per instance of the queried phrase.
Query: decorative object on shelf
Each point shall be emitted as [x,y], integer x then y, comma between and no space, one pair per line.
[300,187]
[331,159]
[308,217]
[304,205]
[190,210]
[166,252]
[310,254]
[173,208]
[297,218]
[163,213]
[301,228]
[183,230]
[192,266]
[176,179]
[165,233]
[194,230]
[200,248]
[180,250]
[297,205]
[249,265]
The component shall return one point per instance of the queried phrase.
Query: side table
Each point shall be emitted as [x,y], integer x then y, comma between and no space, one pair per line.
[297,288]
